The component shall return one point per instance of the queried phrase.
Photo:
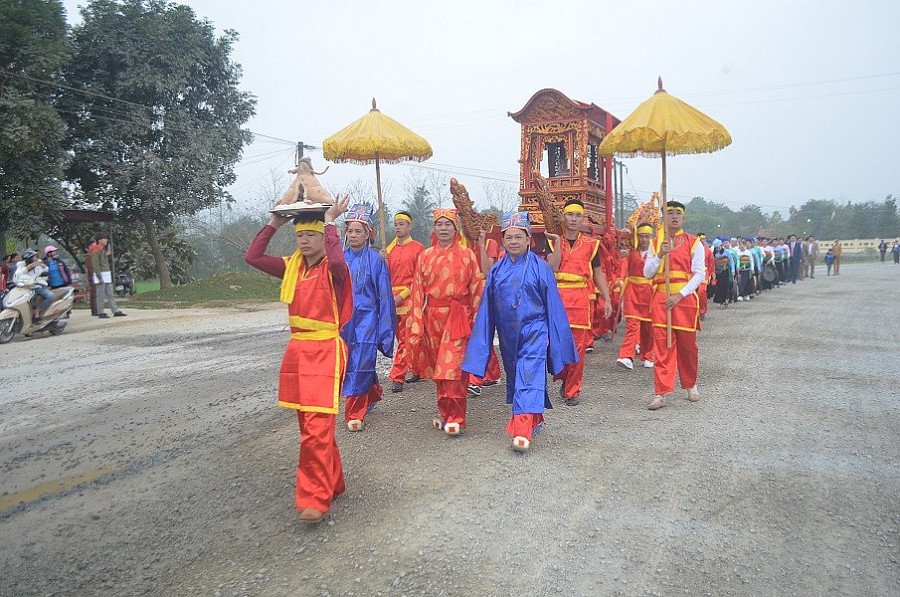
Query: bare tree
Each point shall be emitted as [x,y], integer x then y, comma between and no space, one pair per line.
[501,197]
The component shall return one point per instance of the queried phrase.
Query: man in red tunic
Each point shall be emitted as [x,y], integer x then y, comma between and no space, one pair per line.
[401,255]
[576,261]
[636,303]
[443,301]
[687,270]
[316,286]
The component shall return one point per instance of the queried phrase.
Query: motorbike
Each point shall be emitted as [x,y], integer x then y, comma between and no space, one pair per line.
[16,316]
[124,281]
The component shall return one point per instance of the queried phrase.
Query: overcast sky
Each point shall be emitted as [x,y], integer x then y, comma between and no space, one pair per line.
[809,90]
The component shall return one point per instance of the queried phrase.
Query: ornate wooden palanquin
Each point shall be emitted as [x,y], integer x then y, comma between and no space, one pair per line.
[567,133]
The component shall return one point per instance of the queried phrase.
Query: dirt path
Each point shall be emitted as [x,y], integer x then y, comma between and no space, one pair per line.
[145,455]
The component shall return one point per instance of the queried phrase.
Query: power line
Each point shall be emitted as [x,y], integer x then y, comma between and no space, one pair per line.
[121,101]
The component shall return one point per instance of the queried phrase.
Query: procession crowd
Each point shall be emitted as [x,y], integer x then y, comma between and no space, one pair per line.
[437,311]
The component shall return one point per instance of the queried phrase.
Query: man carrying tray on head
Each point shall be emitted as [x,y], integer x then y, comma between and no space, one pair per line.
[315,284]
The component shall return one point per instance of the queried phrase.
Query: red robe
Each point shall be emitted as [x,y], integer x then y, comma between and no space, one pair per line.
[314,362]
[575,282]
[401,262]
[493,372]
[683,356]
[443,301]
[636,308]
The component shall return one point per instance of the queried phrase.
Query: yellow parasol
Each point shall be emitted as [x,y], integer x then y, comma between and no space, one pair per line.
[376,138]
[664,125]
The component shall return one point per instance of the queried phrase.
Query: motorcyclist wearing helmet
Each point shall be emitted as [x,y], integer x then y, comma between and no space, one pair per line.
[57,270]
[30,271]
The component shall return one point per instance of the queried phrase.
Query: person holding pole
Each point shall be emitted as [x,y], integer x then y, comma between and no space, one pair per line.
[677,270]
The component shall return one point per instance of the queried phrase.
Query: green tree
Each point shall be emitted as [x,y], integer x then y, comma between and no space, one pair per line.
[420,205]
[32,154]
[156,126]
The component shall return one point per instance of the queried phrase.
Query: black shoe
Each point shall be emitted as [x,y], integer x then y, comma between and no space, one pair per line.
[103,316]
[573,401]
[118,314]
[487,384]
[397,387]
[413,379]
[474,390]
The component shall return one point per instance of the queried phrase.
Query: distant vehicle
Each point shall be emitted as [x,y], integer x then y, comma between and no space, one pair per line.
[16,316]
[124,281]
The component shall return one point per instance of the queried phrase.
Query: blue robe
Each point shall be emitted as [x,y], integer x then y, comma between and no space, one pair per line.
[522,304]
[374,319]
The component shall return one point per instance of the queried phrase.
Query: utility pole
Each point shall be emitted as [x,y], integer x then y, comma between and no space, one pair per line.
[298,153]
[619,192]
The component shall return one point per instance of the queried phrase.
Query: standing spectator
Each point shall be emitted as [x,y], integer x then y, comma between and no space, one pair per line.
[521,303]
[725,271]
[836,248]
[7,270]
[745,265]
[895,251]
[372,327]
[795,253]
[103,278]
[882,249]
[316,287]
[57,270]
[89,268]
[444,298]
[812,253]
[829,260]
[804,258]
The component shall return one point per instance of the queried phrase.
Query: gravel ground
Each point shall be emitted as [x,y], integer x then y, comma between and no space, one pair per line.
[145,456]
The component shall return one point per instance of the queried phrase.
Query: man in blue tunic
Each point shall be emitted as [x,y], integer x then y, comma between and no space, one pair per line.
[522,304]
[374,318]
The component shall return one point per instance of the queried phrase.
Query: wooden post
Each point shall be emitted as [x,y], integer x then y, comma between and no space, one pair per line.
[666,256]
[381,217]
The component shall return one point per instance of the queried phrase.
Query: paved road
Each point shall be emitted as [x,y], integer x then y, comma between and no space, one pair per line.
[145,455]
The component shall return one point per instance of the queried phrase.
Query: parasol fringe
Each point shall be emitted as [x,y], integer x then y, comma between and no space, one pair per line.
[367,162]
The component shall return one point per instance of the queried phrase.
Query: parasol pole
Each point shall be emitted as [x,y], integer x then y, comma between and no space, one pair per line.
[380,201]
[666,256]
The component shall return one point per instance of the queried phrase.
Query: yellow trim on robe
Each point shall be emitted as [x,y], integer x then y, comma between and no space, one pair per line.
[638,280]
[304,323]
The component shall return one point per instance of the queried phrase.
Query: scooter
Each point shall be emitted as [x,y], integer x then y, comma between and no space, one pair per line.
[16,316]
[124,282]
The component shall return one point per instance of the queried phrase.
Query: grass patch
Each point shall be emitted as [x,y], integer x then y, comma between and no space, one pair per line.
[222,290]
[142,286]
